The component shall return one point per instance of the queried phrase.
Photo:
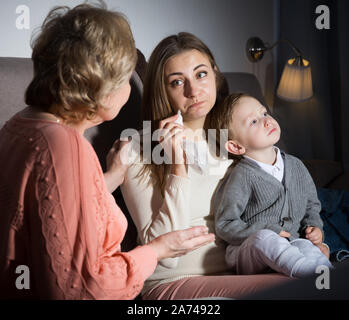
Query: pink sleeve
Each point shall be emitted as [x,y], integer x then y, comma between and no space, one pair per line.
[130,269]
[81,228]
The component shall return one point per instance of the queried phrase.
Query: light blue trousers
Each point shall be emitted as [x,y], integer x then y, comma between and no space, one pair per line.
[266,249]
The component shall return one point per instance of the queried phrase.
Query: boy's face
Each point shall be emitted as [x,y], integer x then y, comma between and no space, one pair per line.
[253,128]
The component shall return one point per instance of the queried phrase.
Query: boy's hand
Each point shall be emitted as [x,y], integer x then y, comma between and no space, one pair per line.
[284,234]
[314,234]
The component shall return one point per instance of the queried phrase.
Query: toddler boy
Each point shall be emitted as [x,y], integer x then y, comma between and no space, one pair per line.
[266,207]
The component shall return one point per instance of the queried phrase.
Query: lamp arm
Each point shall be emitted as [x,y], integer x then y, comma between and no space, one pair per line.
[294,48]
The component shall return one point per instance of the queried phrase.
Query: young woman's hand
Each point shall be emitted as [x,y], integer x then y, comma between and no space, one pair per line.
[177,243]
[171,137]
[117,164]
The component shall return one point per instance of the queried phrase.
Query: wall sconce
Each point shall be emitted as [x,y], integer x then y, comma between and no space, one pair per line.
[295,83]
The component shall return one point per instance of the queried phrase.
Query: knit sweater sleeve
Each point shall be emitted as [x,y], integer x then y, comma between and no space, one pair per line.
[313,207]
[230,202]
[152,213]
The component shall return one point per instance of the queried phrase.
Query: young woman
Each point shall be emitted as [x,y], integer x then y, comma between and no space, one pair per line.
[182,76]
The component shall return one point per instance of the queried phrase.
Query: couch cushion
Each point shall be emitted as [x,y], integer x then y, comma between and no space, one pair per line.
[245,83]
[15,75]
[323,172]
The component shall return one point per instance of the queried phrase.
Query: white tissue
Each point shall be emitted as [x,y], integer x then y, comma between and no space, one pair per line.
[196,152]
[180,118]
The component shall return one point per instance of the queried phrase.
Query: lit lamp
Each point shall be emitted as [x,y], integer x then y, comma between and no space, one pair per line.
[295,83]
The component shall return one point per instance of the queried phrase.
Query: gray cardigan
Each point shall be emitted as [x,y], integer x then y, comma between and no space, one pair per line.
[249,199]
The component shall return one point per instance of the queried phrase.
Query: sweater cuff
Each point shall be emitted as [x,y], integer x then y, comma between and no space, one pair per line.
[145,260]
[275,227]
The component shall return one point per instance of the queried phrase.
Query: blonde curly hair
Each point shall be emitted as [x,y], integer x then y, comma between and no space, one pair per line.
[80,56]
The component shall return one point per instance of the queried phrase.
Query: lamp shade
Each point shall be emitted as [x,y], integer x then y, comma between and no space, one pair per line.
[296,83]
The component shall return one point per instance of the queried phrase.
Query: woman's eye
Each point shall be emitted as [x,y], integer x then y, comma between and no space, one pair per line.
[253,122]
[176,82]
[202,74]
[265,114]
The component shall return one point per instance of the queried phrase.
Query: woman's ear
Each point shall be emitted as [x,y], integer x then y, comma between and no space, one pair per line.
[106,99]
[234,147]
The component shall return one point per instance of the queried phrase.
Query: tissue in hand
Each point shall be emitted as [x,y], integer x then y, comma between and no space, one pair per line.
[196,152]
[180,118]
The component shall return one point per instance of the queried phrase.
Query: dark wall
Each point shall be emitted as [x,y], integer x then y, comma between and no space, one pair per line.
[313,129]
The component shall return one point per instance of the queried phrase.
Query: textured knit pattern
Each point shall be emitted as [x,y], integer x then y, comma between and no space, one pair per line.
[249,199]
[186,203]
[58,218]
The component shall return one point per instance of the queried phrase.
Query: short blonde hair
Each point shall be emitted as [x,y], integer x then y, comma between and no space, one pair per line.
[80,56]
[221,118]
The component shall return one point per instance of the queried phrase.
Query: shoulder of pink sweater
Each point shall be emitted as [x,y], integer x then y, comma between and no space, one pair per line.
[63,142]
[43,133]
[57,135]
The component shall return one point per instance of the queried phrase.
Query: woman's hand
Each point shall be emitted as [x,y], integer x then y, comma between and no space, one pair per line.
[177,243]
[171,137]
[117,164]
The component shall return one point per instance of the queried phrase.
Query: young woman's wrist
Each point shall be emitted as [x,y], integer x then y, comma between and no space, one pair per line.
[114,179]
[179,170]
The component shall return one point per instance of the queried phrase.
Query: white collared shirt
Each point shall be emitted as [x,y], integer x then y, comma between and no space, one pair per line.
[276,170]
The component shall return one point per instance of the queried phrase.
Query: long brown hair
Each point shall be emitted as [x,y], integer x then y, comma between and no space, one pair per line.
[155,103]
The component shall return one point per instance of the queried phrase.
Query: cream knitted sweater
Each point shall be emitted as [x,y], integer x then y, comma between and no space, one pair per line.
[186,203]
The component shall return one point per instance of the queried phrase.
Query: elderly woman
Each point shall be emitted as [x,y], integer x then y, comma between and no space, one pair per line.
[57,216]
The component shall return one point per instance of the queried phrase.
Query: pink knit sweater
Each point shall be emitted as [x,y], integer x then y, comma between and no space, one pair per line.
[58,218]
